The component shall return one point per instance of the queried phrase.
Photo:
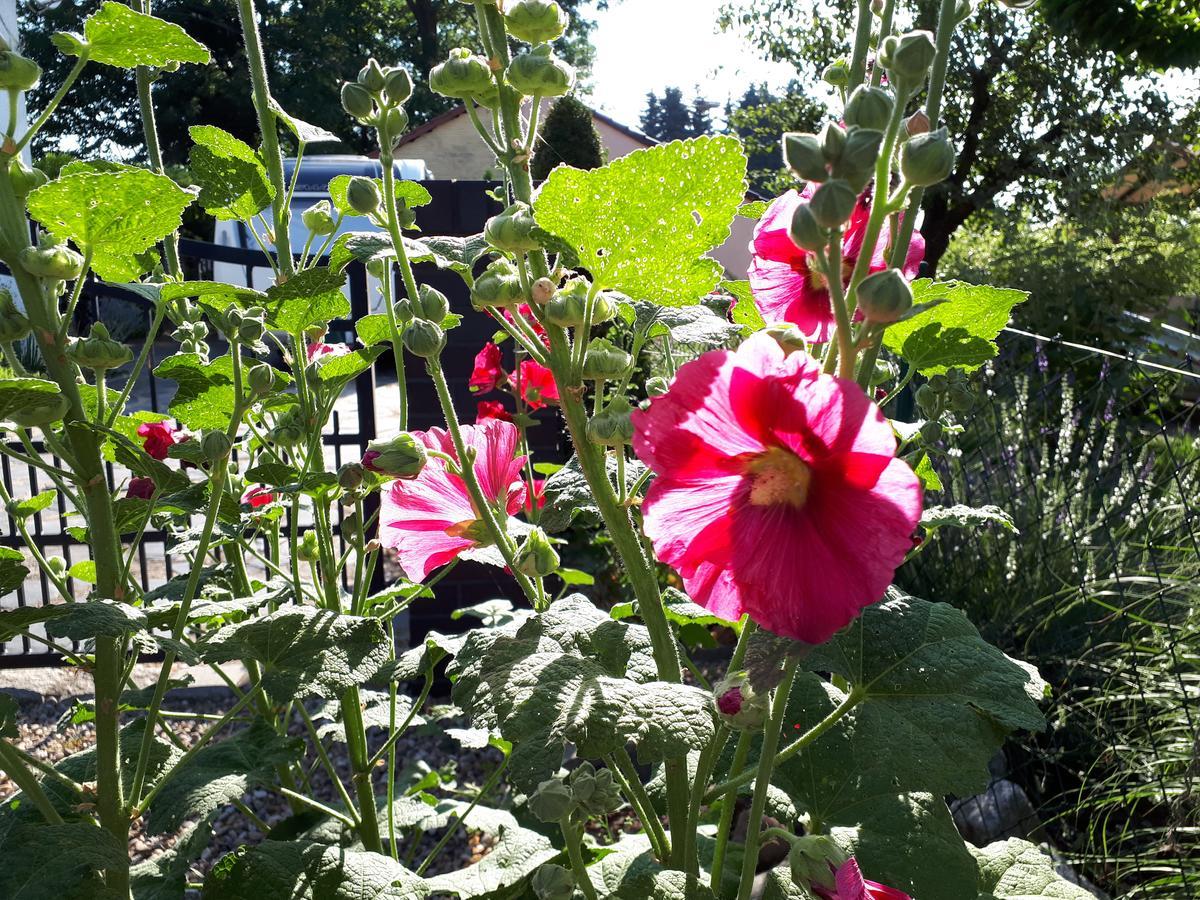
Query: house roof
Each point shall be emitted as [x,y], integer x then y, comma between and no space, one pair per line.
[454,112]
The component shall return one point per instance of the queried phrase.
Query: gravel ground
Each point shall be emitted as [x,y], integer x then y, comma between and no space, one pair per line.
[46,732]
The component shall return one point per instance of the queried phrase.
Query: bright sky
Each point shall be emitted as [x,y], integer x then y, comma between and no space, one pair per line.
[648,45]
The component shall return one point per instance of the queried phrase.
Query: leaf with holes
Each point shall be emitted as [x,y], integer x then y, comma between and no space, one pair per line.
[116,216]
[232,178]
[312,296]
[118,36]
[644,223]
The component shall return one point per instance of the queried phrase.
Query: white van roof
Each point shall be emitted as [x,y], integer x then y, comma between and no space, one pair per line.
[316,171]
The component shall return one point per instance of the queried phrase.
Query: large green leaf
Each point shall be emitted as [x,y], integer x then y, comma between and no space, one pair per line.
[46,861]
[959,332]
[301,870]
[94,618]
[574,675]
[20,393]
[314,295]
[629,871]
[115,215]
[1018,870]
[515,856]
[644,223]
[696,324]
[233,180]
[205,397]
[220,773]
[13,572]
[304,650]
[118,36]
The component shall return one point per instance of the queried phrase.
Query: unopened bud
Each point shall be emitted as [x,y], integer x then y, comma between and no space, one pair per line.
[431,304]
[804,230]
[307,549]
[612,426]
[498,286]
[543,290]
[605,361]
[908,57]
[837,74]
[540,73]
[356,101]
[424,339]
[403,456]
[396,124]
[363,195]
[14,326]
[52,260]
[833,141]
[536,557]
[885,296]
[739,705]
[398,85]
[788,336]
[657,386]
[261,378]
[552,801]
[536,21]
[463,76]
[928,400]
[931,432]
[813,860]
[917,123]
[859,155]
[833,203]
[371,76]
[351,475]
[17,72]
[804,155]
[318,218]
[869,107]
[98,351]
[927,158]
[512,229]
[215,445]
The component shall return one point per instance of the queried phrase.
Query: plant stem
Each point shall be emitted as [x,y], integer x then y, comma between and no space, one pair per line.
[762,781]
[154,153]
[862,44]
[454,826]
[360,766]
[571,837]
[627,777]
[12,763]
[52,105]
[727,808]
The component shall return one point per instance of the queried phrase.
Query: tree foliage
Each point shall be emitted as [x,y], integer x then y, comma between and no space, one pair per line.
[671,118]
[759,119]
[1154,32]
[568,138]
[314,47]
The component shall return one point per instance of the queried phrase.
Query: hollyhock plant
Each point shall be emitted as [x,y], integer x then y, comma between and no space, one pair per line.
[536,498]
[537,384]
[526,314]
[785,279]
[158,437]
[492,409]
[488,374]
[849,884]
[778,491]
[430,520]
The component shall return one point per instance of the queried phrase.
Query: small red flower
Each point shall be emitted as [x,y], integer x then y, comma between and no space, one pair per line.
[158,438]
[140,488]
[319,350]
[537,384]
[258,496]
[489,373]
[492,409]
[538,497]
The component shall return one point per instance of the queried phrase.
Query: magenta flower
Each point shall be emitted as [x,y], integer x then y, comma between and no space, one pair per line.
[158,437]
[488,373]
[538,388]
[319,350]
[258,496]
[491,409]
[785,280]
[778,491]
[430,520]
[850,885]
[140,488]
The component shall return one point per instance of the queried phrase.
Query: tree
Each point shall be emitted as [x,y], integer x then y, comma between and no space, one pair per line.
[1039,119]
[1164,33]
[672,119]
[700,122]
[652,117]
[315,45]
[759,119]
[568,138]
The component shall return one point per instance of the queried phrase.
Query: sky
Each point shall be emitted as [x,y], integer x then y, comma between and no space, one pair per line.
[633,58]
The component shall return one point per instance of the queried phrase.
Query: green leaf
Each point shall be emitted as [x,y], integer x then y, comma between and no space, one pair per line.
[960,516]
[13,571]
[19,393]
[304,650]
[376,713]
[459,254]
[574,675]
[205,397]
[44,861]
[361,245]
[118,36]
[930,480]
[629,871]
[696,324]
[94,618]
[23,509]
[373,329]
[678,606]
[743,312]
[305,132]
[314,295]
[568,494]
[644,223]
[959,333]
[301,870]
[340,370]
[233,180]
[84,570]
[1018,870]
[220,773]
[116,216]
[208,290]
[753,210]
[516,855]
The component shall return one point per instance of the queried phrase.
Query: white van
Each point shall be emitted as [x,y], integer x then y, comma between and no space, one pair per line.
[311,186]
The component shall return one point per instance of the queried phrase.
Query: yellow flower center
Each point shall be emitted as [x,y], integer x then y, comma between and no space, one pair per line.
[778,476]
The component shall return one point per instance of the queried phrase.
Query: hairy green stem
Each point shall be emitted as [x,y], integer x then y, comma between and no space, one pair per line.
[12,763]
[728,805]
[572,837]
[360,766]
[458,820]
[629,781]
[862,44]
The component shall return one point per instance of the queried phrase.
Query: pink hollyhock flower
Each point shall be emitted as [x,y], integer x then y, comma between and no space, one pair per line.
[430,520]
[784,279]
[537,385]
[489,373]
[537,498]
[491,409]
[158,438]
[850,885]
[140,488]
[319,351]
[778,491]
[258,496]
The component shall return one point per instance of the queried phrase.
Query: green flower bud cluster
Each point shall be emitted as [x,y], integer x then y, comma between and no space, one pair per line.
[951,391]
[377,98]
[243,326]
[593,790]
[424,338]
[512,230]
[308,549]
[540,73]
[430,305]
[605,361]
[536,557]
[847,155]
[884,297]
[536,21]
[17,72]
[289,429]
[498,286]
[98,351]
[908,58]
[612,426]
[568,307]
[191,336]
[465,76]
[14,326]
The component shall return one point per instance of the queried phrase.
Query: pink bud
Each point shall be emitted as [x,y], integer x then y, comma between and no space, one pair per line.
[917,123]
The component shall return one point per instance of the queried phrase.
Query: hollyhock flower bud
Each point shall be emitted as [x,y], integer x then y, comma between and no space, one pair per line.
[24,178]
[356,101]
[396,125]
[837,74]
[498,286]
[869,107]
[908,57]
[833,203]
[512,230]
[568,308]
[17,72]
[536,21]
[847,883]
[552,801]
[833,142]
[140,488]
[371,76]
[612,426]
[927,158]
[804,154]
[739,705]
[788,337]
[813,860]
[928,400]
[593,789]
[539,73]
[397,84]
[98,351]
[885,296]
[536,557]
[552,882]
[431,305]
[402,309]
[859,155]
[424,339]
[931,432]
[363,195]
[961,399]
[261,378]
[45,410]
[308,549]
[917,123]
[318,218]
[52,260]
[289,430]
[14,326]
[805,232]
[543,291]
[463,76]
[605,361]
[403,456]
[351,476]
[215,445]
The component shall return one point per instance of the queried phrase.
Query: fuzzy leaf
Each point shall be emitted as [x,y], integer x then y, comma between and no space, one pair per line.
[205,397]
[459,254]
[644,223]
[13,573]
[116,215]
[232,178]
[340,370]
[304,650]
[743,312]
[44,861]
[574,675]
[18,393]
[118,36]
[958,333]
[568,494]
[305,132]
[314,295]
[695,324]
[516,855]
[31,506]
[1018,870]
[94,618]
